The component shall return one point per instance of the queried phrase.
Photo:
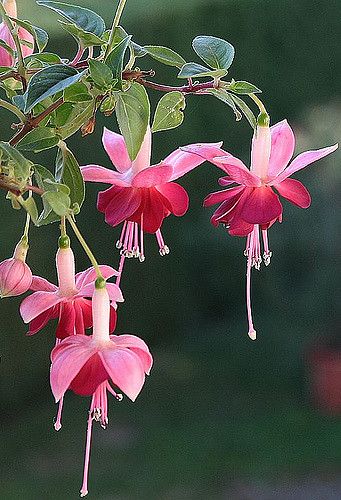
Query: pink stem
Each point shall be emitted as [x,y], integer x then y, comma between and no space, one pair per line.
[78,56]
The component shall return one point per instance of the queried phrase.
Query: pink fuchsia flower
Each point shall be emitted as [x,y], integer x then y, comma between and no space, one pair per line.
[6,59]
[70,302]
[143,195]
[15,275]
[87,365]
[253,205]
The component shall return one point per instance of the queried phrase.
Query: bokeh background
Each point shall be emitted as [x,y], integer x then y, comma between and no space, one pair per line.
[221,417]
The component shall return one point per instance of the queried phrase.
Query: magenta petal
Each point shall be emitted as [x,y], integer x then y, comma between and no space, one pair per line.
[282,147]
[155,209]
[177,197]
[261,206]
[138,346]
[35,304]
[237,171]
[151,176]
[220,196]
[225,181]
[303,160]
[42,285]
[40,321]
[116,148]
[186,158]
[68,358]
[294,191]
[67,320]
[118,204]
[96,173]
[125,369]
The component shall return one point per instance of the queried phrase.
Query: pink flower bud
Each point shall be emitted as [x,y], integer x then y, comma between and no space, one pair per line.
[6,59]
[15,275]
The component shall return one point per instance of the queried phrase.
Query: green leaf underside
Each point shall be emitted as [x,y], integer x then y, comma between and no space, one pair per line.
[73,117]
[169,112]
[222,95]
[42,175]
[165,55]
[59,201]
[192,69]
[45,58]
[40,36]
[133,115]
[21,165]
[115,59]
[69,173]
[38,139]
[48,82]
[242,87]
[245,110]
[78,92]
[215,52]
[83,18]
[85,38]
[100,73]
[30,206]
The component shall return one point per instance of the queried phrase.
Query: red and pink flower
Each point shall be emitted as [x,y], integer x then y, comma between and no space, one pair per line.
[6,59]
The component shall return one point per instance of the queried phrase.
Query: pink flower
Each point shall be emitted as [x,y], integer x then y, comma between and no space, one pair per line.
[7,59]
[253,205]
[143,195]
[15,275]
[87,364]
[69,301]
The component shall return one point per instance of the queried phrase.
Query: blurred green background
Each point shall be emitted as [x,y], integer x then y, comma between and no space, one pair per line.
[221,417]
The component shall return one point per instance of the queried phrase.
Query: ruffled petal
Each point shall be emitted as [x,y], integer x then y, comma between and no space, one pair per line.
[177,197]
[42,285]
[67,320]
[154,209]
[138,346]
[96,173]
[90,376]
[186,158]
[40,321]
[125,369]
[222,196]
[68,358]
[116,148]
[294,191]
[237,171]
[151,176]
[118,204]
[303,160]
[37,303]
[282,147]
[261,206]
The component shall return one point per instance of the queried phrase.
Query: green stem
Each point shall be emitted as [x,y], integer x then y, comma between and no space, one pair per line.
[28,221]
[85,246]
[115,24]
[63,226]
[13,109]
[259,103]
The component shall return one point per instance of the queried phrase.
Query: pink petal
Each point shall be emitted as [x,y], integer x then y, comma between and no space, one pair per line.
[118,204]
[96,173]
[114,291]
[89,275]
[238,227]
[225,181]
[5,58]
[177,197]
[25,35]
[67,360]
[261,206]
[138,346]
[295,192]
[303,160]
[151,176]
[224,195]
[42,285]
[35,304]
[237,171]
[142,160]
[125,369]
[116,148]
[231,206]
[186,158]
[282,147]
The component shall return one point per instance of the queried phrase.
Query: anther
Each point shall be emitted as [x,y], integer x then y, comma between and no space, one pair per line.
[118,244]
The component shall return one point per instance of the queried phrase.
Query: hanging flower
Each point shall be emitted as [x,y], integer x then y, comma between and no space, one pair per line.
[143,195]
[15,275]
[252,205]
[69,302]
[89,364]
[6,59]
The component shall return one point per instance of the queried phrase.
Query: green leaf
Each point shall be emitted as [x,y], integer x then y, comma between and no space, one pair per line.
[169,112]
[245,110]
[20,165]
[115,60]
[78,92]
[138,50]
[83,18]
[48,82]
[242,87]
[85,38]
[38,139]
[68,172]
[42,60]
[224,96]
[133,115]
[44,178]
[215,52]
[30,206]
[101,74]
[40,36]
[59,202]
[5,69]
[74,118]
[9,49]
[165,55]
[192,69]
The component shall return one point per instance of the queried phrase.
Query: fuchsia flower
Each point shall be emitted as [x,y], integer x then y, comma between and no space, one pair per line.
[6,59]
[253,205]
[143,195]
[15,275]
[69,302]
[87,364]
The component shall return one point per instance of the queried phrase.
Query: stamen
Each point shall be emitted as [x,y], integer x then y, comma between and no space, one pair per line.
[252,332]
[119,242]
[116,395]
[267,253]
[142,257]
[164,249]
[58,423]
[136,249]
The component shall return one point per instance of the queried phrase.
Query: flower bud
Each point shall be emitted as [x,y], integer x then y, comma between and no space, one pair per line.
[6,59]
[15,275]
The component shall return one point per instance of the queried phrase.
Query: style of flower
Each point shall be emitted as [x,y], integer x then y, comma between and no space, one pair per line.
[6,59]
[253,205]
[70,302]
[15,275]
[143,195]
[87,364]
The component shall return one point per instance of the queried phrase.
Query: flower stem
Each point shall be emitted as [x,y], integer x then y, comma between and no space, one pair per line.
[259,103]
[85,246]
[115,24]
